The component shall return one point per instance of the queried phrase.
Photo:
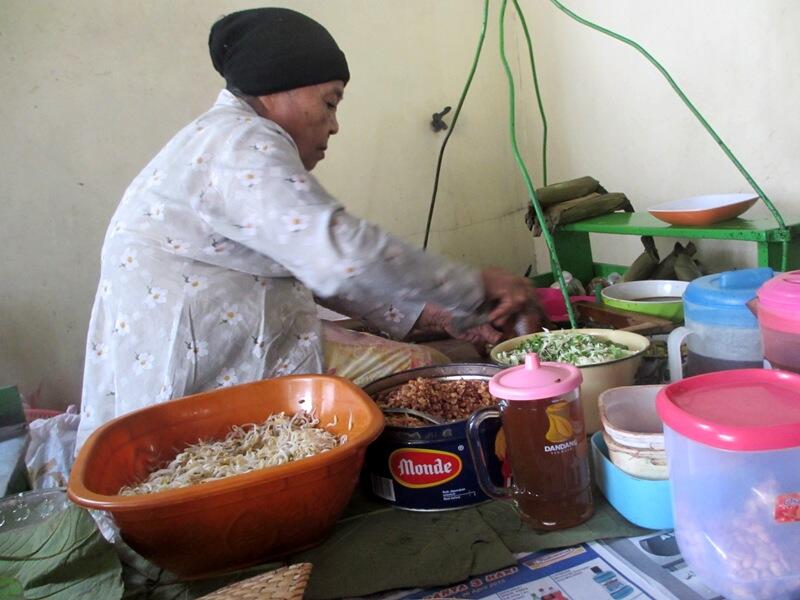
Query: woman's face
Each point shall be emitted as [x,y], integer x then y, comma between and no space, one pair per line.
[308,114]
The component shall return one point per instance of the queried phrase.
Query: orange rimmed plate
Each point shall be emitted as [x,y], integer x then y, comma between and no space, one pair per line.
[703,210]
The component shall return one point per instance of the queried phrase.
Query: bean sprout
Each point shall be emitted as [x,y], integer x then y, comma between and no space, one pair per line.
[279,440]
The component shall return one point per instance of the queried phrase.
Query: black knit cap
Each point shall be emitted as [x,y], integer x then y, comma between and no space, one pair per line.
[266,50]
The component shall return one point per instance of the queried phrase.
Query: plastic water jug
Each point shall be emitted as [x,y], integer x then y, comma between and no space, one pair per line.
[733,448]
[721,332]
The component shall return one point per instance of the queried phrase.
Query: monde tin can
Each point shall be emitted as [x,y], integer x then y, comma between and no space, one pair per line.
[430,468]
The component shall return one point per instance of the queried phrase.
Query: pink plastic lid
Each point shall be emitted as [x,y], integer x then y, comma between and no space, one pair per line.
[535,380]
[747,409]
[779,298]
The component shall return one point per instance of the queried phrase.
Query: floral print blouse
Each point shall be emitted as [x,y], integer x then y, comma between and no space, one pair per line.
[211,262]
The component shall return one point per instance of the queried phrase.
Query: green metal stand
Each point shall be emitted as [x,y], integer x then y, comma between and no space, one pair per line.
[575,253]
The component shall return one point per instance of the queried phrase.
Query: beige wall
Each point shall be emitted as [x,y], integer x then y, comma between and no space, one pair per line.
[613,116]
[92,89]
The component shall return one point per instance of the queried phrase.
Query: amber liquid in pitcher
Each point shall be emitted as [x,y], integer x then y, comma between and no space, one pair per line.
[547,449]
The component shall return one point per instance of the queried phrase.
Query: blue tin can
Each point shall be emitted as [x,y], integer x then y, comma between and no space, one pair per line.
[430,468]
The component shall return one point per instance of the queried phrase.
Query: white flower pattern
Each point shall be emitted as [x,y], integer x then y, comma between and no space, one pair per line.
[249,227]
[155,296]
[249,178]
[143,361]
[307,339]
[393,314]
[122,326]
[295,221]
[196,350]
[178,246]
[129,261]
[164,392]
[218,247]
[98,352]
[200,162]
[230,314]
[155,178]
[227,378]
[301,182]
[194,284]
[105,287]
[258,347]
[262,147]
[155,211]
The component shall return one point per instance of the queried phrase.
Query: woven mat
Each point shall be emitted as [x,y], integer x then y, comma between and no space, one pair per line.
[286,583]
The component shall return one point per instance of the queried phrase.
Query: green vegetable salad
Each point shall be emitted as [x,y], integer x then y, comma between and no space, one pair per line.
[572,348]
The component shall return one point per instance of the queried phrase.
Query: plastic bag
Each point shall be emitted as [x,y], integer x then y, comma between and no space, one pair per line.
[51,449]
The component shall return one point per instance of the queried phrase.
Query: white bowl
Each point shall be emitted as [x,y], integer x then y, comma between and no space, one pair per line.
[629,416]
[703,210]
[639,462]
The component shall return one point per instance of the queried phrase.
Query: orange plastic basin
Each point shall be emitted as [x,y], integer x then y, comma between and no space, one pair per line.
[241,520]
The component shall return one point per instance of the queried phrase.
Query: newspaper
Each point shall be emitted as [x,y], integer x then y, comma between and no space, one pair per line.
[648,566]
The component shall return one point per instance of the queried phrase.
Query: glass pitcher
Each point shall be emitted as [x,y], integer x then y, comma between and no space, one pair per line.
[543,441]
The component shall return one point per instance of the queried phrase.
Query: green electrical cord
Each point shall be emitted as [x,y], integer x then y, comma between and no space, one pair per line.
[453,124]
[538,94]
[556,265]
[703,122]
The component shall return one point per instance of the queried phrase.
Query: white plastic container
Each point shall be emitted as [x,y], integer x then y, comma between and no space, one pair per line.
[629,416]
[733,446]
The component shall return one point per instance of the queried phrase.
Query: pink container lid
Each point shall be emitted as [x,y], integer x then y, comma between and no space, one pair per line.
[535,380]
[779,299]
[745,409]
[553,305]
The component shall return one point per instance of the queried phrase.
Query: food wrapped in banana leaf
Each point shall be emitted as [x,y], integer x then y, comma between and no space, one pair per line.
[568,190]
[686,269]
[645,263]
[586,207]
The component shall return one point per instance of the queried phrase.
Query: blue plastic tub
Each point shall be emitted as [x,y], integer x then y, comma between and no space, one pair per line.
[644,502]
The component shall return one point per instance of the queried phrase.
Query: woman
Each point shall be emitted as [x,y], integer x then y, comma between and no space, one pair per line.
[218,247]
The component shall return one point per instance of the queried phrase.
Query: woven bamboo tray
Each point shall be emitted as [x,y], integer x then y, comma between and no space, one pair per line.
[286,583]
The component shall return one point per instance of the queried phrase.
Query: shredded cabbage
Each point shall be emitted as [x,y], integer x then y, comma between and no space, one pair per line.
[279,440]
[572,348]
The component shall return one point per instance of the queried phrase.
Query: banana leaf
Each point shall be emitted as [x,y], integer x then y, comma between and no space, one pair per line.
[62,558]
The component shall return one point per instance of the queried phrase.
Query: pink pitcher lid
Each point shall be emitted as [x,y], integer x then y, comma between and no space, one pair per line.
[781,294]
[535,380]
[745,410]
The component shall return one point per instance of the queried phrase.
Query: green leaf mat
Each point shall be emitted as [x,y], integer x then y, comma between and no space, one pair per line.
[63,558]
[376,548]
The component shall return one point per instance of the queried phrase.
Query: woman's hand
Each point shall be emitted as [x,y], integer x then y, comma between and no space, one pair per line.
[435,319]
[508,295]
